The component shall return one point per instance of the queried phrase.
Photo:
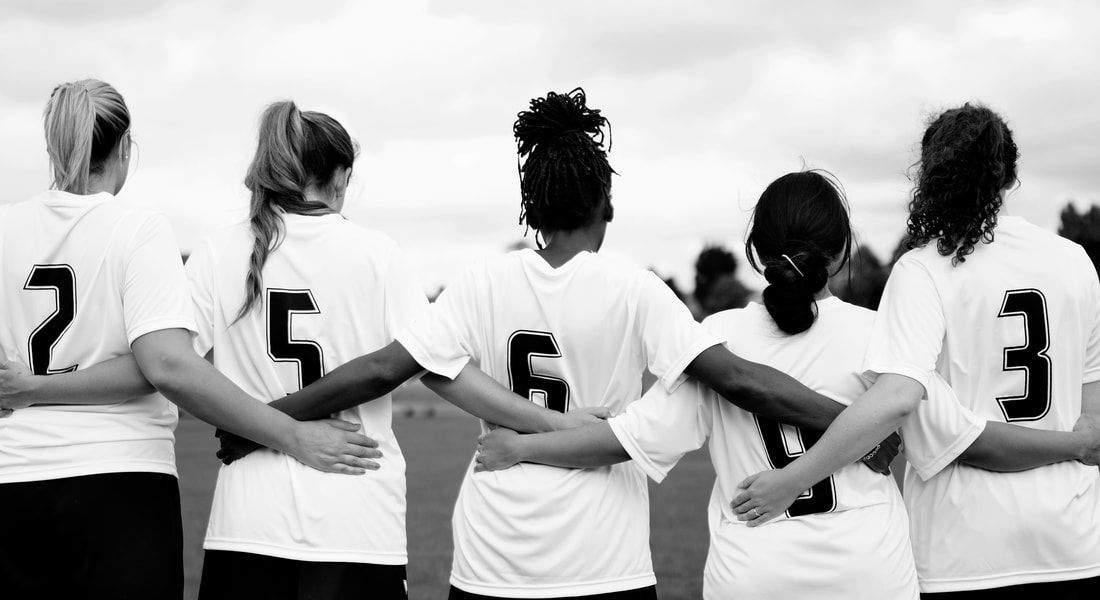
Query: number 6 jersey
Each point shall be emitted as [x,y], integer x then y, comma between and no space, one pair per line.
[81,278]
[579,335]
[1015,330]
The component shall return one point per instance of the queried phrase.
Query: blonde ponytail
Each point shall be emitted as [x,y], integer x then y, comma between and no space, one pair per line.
[84,122]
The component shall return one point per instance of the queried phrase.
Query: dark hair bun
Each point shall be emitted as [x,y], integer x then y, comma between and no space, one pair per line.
[789,296]
[557,117]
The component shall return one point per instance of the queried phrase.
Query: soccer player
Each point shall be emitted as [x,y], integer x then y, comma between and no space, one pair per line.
[88,480]
[846,537]
[1009,315]
[565,327]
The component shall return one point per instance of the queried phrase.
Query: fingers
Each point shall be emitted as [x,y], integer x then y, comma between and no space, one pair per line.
[744,485]
[344,469]
[742,504]
[342,424]
[760,520]
[361,440]
[364,452]
[358,463]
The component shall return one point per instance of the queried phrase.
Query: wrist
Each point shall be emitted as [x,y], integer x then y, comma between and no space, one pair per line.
[1082,443]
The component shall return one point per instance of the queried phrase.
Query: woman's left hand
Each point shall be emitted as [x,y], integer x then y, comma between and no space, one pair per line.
[17,387]
[766,495]
[497,450]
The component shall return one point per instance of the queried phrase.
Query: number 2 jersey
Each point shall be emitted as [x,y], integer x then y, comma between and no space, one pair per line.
[332,291]
[83,276]
[1015,330]
[845,538]
[580,335]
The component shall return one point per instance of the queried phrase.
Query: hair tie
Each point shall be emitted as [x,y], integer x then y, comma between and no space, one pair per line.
[794,266]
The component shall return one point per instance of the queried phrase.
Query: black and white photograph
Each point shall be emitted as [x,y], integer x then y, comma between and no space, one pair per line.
[508,300]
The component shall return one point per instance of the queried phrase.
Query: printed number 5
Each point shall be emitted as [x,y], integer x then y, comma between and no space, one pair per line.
[282,305]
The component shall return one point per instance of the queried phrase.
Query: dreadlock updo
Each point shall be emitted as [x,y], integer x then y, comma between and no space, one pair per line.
[799,228]
[968,157]
[564,176]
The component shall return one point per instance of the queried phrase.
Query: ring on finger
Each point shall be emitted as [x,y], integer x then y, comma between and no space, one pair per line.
[755,513]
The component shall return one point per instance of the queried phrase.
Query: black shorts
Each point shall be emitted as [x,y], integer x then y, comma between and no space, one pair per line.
[646,593]
[245,576]
[113,535]
[1073,589]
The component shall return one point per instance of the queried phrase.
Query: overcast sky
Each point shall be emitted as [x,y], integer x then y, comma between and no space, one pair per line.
[708,101]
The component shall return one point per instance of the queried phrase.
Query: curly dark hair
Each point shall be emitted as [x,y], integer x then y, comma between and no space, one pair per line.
[968,157]
[565,178]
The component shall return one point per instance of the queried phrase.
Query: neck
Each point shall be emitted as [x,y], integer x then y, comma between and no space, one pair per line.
[823,293]
[564,245]
[102,183]
[319,198]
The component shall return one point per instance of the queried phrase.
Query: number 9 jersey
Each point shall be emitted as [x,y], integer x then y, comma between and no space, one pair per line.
[1015,331]
[580,335]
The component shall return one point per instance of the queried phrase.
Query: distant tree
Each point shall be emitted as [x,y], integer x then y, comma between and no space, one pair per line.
[716,285]
[1083,228]
[862,279]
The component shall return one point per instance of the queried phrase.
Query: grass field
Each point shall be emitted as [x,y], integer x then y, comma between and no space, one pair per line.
[437,450]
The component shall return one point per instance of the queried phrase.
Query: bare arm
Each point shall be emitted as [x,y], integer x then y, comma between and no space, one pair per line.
[1004,447]
[110,382]
[763,390]
[593,445]
[168,361]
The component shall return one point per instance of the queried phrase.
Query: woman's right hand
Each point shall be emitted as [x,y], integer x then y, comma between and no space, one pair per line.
[579,417]
[17,387]
[331,445]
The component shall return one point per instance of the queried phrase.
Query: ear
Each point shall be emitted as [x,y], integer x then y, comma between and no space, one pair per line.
[609,212]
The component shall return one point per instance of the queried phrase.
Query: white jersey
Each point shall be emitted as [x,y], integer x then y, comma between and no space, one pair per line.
[845,538]
[333,291]
[83,277]
[1015,330]
[580,335]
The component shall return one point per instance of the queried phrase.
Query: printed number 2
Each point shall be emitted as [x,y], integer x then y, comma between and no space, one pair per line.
[282,305]
[62,280]
[821,498]
[522,346]
[1031,357]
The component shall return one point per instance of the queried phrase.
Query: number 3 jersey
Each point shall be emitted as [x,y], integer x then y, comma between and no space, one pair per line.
[580,335]
[1015,330]
[332,291]
[845,538]
[82,278]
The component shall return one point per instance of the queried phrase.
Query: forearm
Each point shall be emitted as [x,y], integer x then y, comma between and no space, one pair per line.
[357,381]
[579,448]
[1003,447]
[764,391]
[110,382]
[872,417]
[480,395]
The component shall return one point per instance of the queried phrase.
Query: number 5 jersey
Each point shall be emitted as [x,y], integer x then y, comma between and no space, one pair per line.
[580,335]
[332,291]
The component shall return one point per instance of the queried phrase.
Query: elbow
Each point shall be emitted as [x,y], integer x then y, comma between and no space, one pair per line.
[166,372]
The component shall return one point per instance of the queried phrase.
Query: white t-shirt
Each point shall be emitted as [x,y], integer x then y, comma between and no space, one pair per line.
[83,277]
[847,537]
[1015,330]
[333,291]
[580,335]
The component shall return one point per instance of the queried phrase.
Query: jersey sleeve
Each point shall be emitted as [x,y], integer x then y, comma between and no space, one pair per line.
[154,286]
[670,336]
[939,430]
[200,278]
[404,298]
[441,339]
[657,430]
[1092,307]
[908,332]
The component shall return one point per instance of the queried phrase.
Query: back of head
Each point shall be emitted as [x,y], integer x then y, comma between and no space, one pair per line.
[296,150]
[84,122]
[799,228]
[968,158]
[565,178]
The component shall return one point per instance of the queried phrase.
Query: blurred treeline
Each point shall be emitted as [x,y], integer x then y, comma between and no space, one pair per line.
[860,282]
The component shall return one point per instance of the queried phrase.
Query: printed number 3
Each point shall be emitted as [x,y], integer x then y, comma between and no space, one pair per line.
[1031,357]
[62,280]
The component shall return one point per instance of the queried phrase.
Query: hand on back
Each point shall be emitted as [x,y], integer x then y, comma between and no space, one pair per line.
[329,445]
